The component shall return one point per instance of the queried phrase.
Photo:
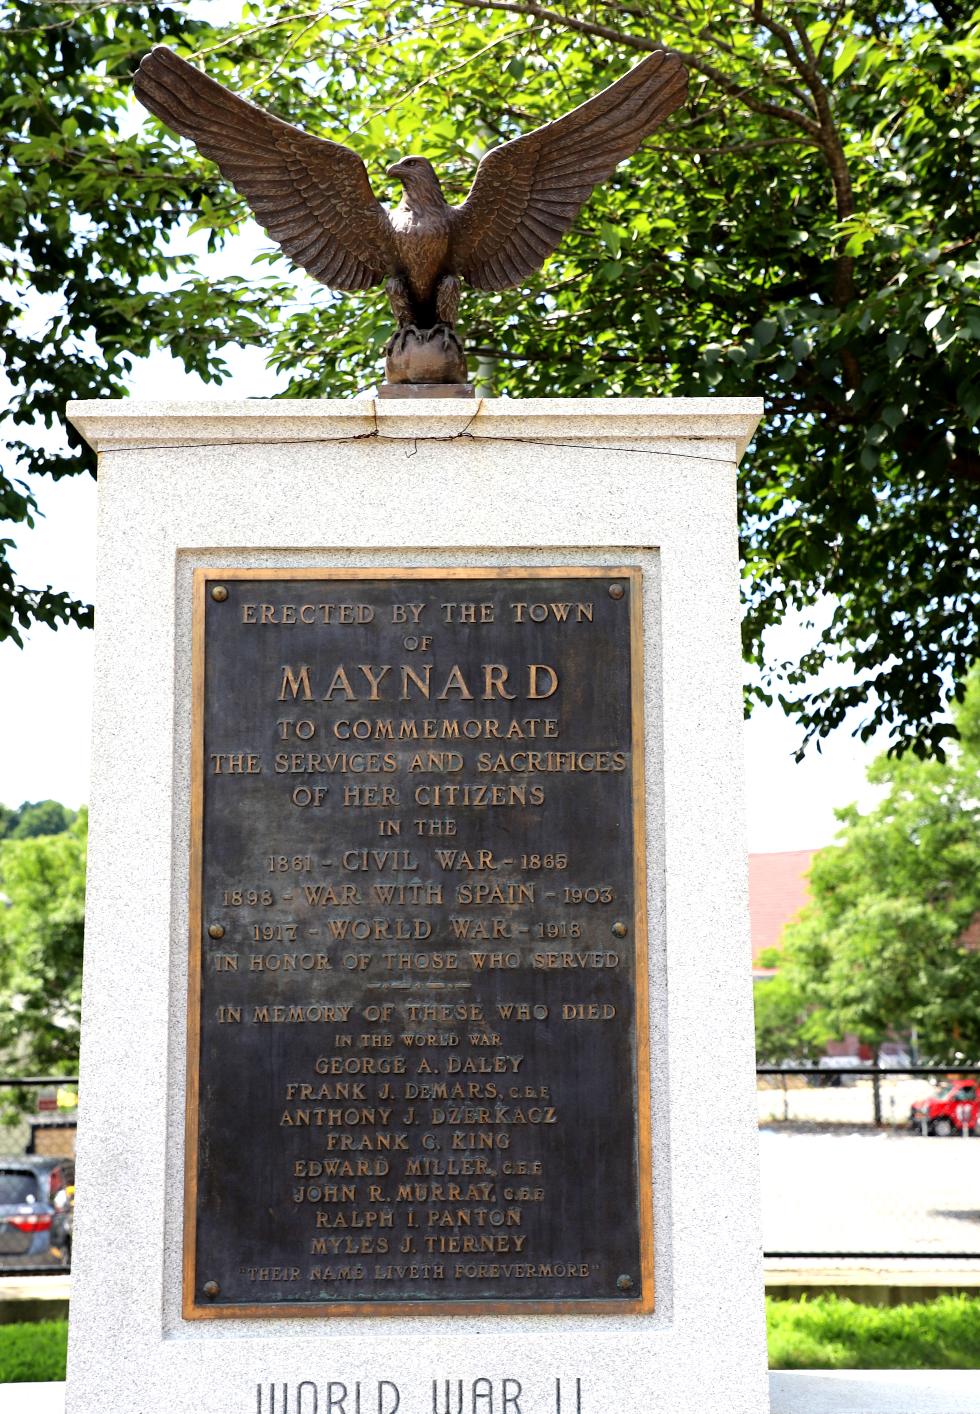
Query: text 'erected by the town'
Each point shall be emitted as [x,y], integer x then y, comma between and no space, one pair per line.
[417,1016]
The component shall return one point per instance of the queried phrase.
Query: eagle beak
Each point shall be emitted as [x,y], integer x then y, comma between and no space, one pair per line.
[395,170]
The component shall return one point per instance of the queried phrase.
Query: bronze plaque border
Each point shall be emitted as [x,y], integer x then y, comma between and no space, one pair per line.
[644,1302]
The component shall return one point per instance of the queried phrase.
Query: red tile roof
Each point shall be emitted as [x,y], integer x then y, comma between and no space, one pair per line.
[971,938]
[778,889]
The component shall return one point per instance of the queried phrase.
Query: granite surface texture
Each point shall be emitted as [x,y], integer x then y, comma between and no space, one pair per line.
[348,483]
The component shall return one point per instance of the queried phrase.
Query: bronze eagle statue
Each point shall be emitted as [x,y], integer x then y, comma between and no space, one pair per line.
[314,198]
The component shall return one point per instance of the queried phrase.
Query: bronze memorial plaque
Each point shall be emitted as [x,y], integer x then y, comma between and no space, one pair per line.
[417,1044]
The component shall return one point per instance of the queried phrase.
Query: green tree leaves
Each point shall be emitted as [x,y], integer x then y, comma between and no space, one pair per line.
[41,929]
[782,1016]
[86,208]
[33,818]
[884,946]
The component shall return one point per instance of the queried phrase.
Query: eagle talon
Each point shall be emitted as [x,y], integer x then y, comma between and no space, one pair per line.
[402,337]
[444,334]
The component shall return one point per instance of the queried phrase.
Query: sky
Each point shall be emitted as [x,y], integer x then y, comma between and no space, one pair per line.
[46,690]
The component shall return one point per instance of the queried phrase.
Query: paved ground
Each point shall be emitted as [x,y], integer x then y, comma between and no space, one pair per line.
[32,1399]
[870,1192]
[873,1392]
[19,1288]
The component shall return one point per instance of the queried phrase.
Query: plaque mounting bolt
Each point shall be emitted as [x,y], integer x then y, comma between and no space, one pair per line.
[216,930]
[219,594]
[211,1288]
[619,930]
[616,591]
[623,1283]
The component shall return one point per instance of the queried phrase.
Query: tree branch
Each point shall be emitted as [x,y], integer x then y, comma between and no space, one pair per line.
[439,76]
[775,78]
[950,12]
[829,139]
[822,131]
[779,31]
[832,30]
[800,26]
[256,29]
[529,8]
[749,146]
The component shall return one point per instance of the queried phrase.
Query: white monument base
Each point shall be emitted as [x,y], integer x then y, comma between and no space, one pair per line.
[439,484]
[791,1392]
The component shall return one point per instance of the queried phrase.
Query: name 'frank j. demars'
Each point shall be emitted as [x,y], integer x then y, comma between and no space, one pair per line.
[376,682]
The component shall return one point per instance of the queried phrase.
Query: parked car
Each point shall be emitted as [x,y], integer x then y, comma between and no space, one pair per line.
[952,1109]
[832,1070]
[35,1212]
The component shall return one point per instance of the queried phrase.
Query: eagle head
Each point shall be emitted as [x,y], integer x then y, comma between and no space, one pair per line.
[418,176]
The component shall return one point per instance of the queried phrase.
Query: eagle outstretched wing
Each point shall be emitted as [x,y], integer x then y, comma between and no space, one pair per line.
[313,196]
[527,193]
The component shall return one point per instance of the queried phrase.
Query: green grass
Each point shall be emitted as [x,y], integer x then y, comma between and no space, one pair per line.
[33,1351]
[833,1333]
[820,1333]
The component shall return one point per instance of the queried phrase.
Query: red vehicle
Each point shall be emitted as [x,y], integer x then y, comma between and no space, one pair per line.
[952,1109]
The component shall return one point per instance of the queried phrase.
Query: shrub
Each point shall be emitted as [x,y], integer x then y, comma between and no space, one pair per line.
[833,1333]
[33,1352]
